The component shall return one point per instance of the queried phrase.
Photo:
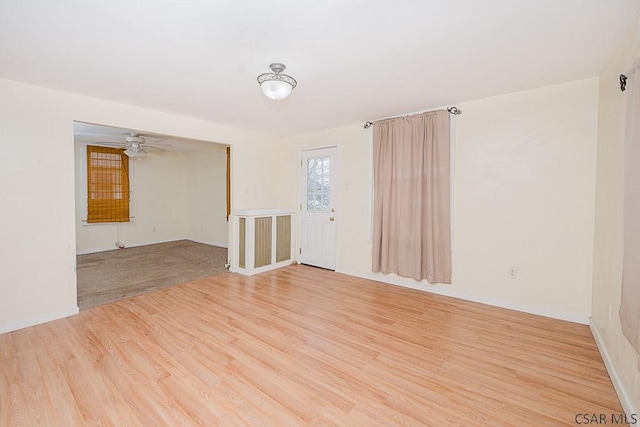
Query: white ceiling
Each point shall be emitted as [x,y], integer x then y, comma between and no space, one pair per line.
[354,60]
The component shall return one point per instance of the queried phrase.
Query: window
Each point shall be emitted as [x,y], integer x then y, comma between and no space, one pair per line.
[318,184]
[412,207]
[107,185]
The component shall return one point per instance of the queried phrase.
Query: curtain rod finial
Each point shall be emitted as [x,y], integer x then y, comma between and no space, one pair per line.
[368,124]
[454,110]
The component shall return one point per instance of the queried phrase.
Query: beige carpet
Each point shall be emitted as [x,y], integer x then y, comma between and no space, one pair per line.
[110,276]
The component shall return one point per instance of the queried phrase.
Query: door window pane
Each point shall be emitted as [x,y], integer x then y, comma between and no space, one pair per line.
[318,184]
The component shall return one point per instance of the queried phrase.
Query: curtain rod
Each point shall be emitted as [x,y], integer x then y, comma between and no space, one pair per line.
[453,110]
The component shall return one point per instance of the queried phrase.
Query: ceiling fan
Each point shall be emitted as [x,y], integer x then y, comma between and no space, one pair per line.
[136,146]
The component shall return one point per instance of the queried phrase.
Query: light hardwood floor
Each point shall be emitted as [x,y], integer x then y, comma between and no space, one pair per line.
[300,346]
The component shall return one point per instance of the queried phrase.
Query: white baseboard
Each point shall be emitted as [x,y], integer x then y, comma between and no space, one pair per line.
[625,400]
[39,319]
[128,245]
[218,244]
[96,250]
[570,317]
[258,270]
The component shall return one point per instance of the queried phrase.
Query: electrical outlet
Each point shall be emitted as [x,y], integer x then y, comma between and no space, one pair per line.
[512,273]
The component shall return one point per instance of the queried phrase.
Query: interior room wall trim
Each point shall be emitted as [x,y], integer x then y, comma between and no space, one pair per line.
[205,242]
[155,242]
[128,245]
[391,280]
[623,395]
[39,319]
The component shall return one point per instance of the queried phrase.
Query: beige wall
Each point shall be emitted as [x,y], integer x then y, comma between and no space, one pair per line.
[175,196]
[37,180]
[607,268]
[524,197]
[159,205]
[206,196]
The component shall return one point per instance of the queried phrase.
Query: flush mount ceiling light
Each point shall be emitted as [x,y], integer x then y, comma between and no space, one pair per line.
[276,85]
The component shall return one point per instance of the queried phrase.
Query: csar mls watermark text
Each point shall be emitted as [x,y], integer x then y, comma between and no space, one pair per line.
[605,419]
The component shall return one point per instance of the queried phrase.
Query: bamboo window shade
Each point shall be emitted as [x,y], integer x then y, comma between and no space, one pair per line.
[107,185]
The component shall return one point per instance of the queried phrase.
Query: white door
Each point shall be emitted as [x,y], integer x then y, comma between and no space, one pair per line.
[318,208]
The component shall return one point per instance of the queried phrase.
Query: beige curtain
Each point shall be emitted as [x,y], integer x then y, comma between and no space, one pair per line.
[630,303]
[411,219]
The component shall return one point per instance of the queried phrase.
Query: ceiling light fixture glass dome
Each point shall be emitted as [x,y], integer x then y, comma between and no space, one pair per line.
[276,85]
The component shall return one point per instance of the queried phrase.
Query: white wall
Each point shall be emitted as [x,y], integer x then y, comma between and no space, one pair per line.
[607,269]
[524,197]
[159,205]
[206,196]
[38,280]
[175,196]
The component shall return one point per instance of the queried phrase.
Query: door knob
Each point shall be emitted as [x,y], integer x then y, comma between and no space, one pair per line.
[332,219]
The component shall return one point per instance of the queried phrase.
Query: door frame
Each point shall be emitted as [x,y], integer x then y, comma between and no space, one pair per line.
[302,195]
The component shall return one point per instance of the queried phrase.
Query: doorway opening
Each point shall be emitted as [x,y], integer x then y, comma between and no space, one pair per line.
[176,226]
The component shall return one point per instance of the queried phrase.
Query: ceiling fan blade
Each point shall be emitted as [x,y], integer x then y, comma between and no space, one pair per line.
[111,144]
[154,148]
[160,144]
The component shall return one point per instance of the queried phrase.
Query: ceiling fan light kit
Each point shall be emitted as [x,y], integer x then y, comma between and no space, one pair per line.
[276,85]
[136,152]
[135,149]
